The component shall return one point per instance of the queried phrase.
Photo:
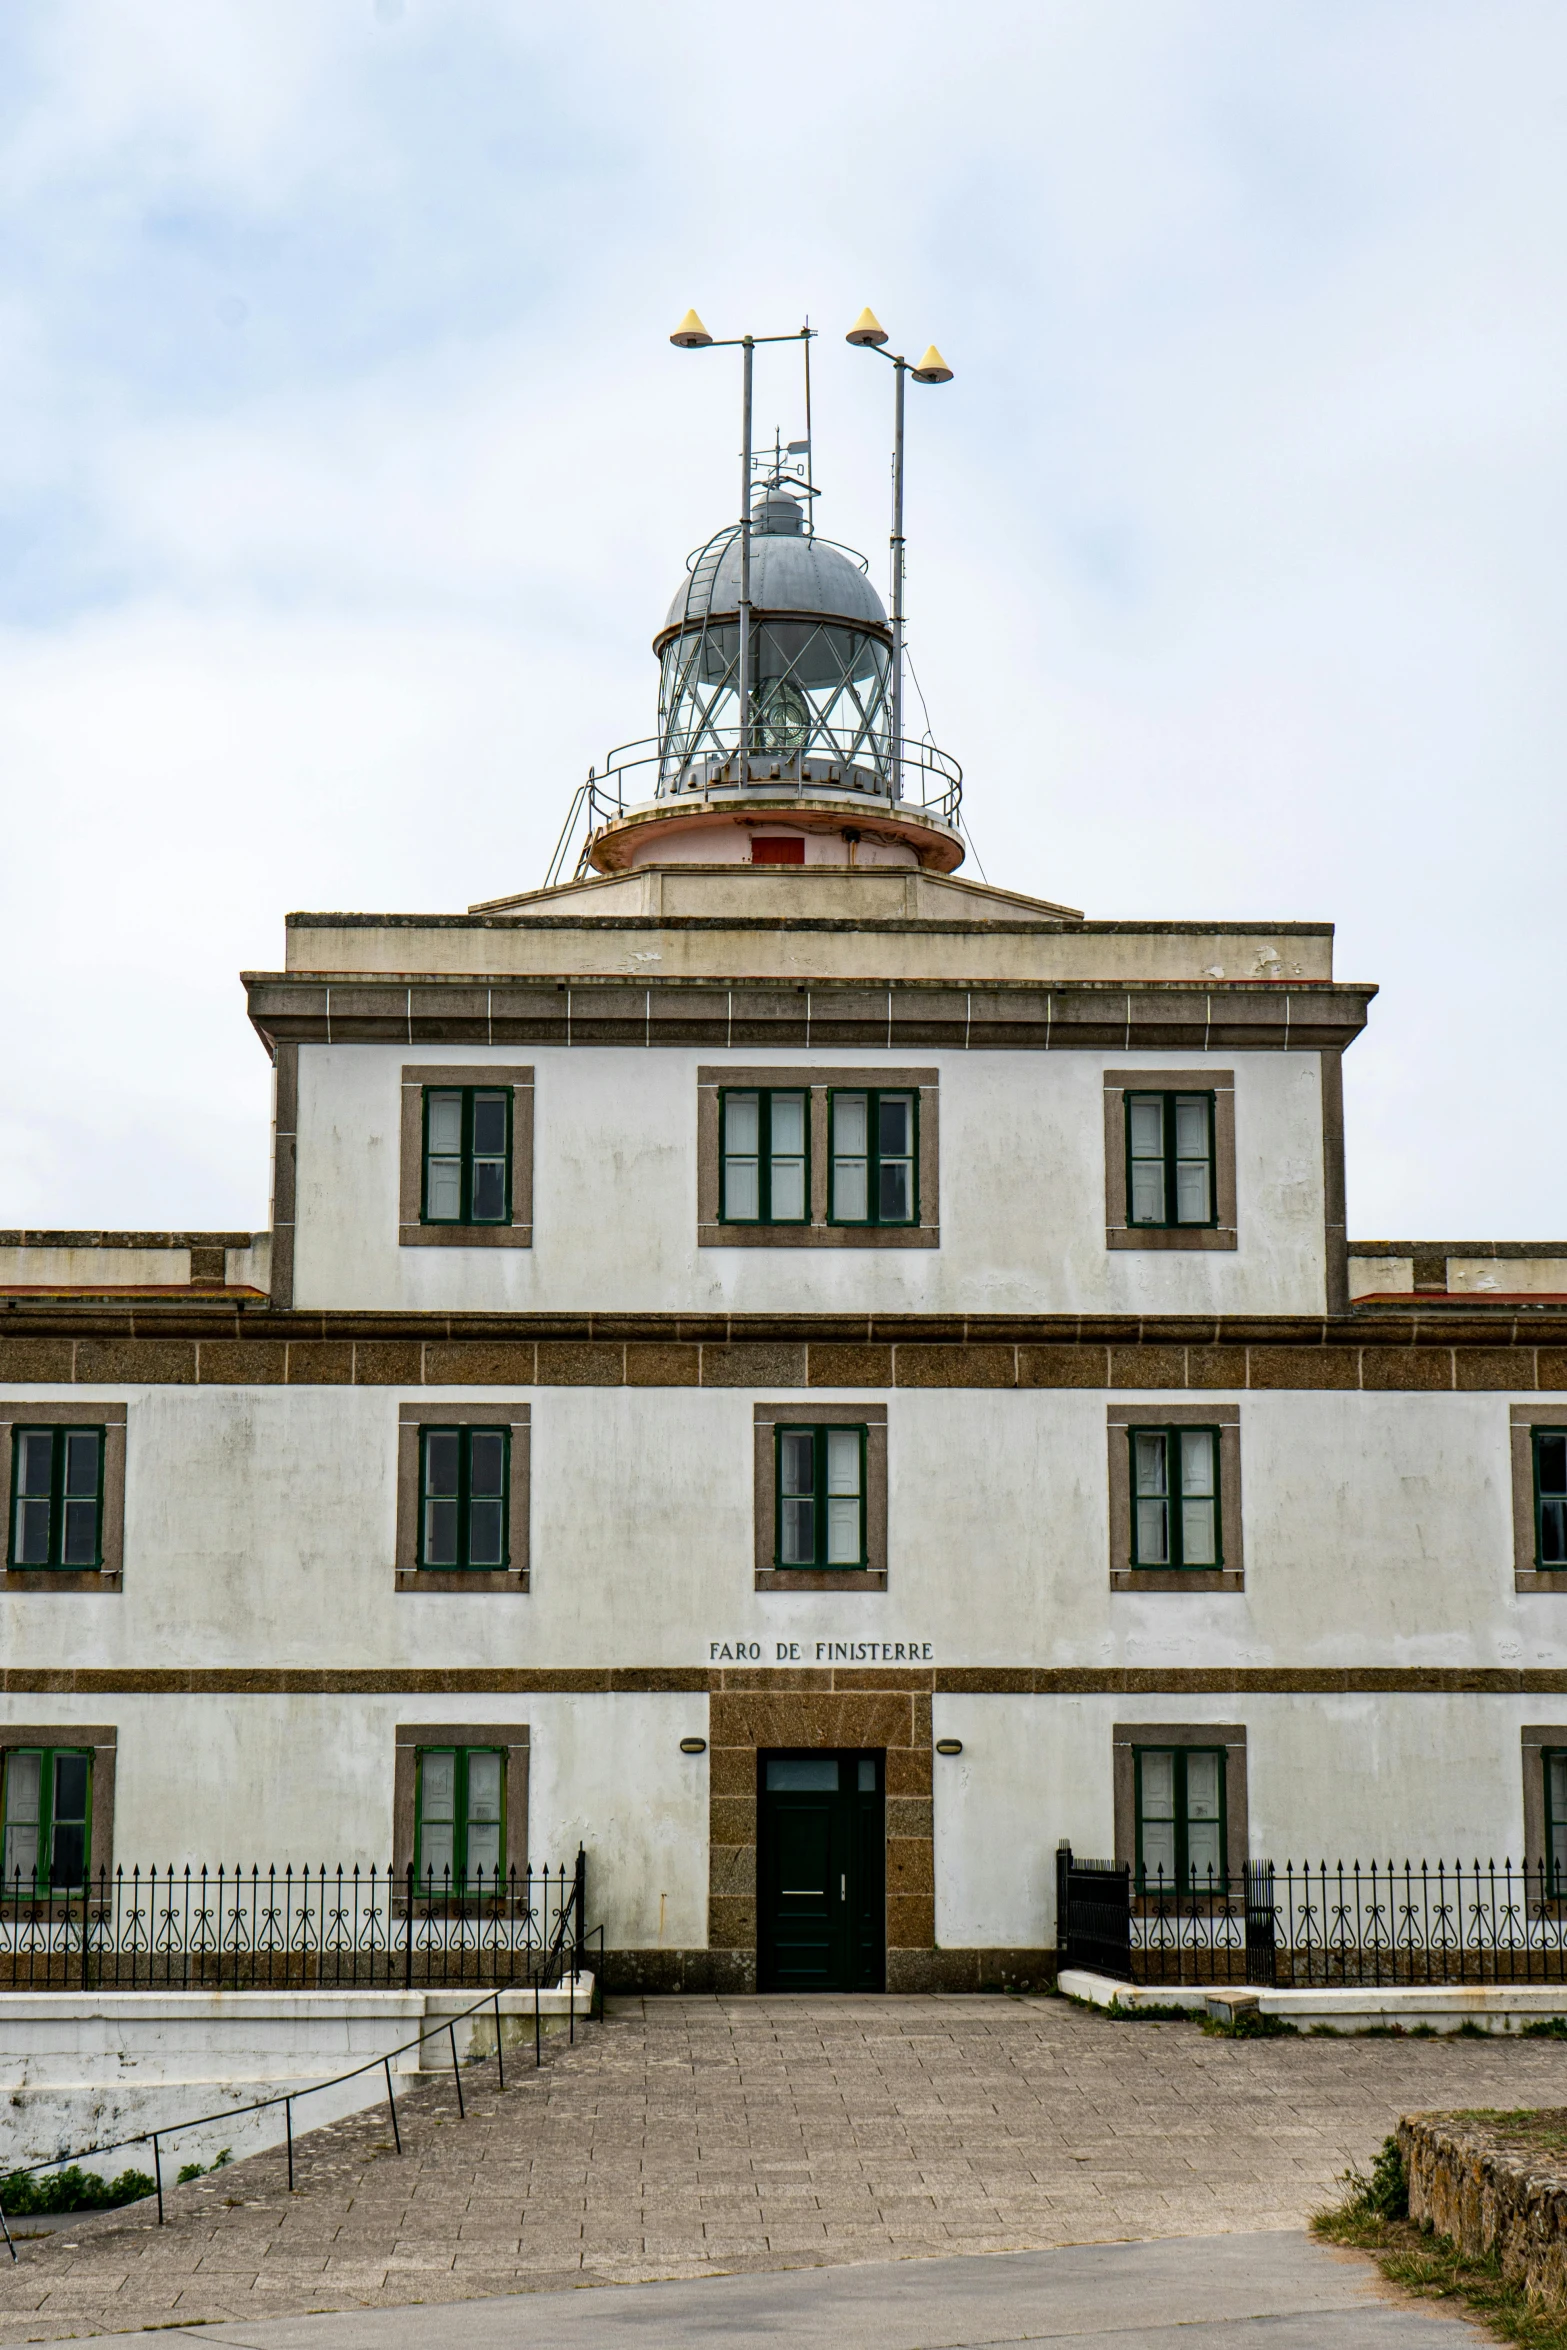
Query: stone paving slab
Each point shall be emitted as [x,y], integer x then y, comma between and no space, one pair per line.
[685,2138]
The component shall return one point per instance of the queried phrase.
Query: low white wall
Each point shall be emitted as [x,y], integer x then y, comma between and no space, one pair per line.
[79,2069]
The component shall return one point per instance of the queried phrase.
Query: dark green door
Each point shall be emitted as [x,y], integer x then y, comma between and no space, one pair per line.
[821,1878]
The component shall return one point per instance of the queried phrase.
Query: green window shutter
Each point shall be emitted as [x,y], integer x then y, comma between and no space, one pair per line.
[873,1157]
[1176,1519]
[467,1154]
[1171,1178]
[48,1820]
[764,1168]
[459,1818]
[821,1480]
[1554,1766]
[1550,1498]
[464,1498]
[57,1497]
[1180,1798]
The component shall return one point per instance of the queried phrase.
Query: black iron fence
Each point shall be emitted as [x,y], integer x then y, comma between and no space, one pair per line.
[301,1928]
[1314,1925]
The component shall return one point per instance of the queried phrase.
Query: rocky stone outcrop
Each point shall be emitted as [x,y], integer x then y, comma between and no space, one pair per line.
[1487,2190]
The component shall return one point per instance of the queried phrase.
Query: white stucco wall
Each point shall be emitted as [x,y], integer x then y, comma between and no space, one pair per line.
[260,1529]
[1022,1194]
[249,1780]
[259,1532]
[1331,1778]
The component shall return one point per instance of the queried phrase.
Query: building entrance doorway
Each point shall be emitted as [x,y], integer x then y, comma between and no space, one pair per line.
[821,1872]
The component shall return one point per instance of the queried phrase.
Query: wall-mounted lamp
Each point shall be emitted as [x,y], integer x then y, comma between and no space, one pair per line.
[949,1746]
[693,1746]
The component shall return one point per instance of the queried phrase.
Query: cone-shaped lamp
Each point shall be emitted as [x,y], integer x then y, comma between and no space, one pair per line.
[867,329]
[932,369]
[691,334]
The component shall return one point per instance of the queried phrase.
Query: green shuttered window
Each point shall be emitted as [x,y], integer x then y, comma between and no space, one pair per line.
[765,1162]
[467,1154]
[48,1820]
[460,1818]
[821,1497]
[1180,1819]
[1554,1764]
[1175,1498]
[57,1497]
[873,1158]
[464,1486]
[1550,1498]
[1170,1159]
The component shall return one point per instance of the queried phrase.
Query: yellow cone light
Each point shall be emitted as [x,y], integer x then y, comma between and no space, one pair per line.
[867,328]
[932,369]
[691,334]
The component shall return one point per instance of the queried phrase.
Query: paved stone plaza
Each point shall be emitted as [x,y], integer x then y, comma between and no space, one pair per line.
[689,2137]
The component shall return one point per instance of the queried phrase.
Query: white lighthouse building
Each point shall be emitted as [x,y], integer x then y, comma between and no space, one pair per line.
[811,1376]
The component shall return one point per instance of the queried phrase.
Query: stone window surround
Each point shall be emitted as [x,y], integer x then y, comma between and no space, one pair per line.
[473,1581]
[1118,1232]
[411,1233]
[103,1738]
[1524,1418]
[805,1412]
[409,1737]
[817,1082]
[1156,1413]
[1124,1736]
[51,1412]
[1534,1740]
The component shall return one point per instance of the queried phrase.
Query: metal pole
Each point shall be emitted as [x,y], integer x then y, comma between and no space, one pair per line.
[900,369]
[743,771]
[456,2071]
[157,2172]
[391,2104]
[288,2124]
[500,2060]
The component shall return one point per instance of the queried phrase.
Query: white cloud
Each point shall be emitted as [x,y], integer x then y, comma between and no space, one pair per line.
[345,473]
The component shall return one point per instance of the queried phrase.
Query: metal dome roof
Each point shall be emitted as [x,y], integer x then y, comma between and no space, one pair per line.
[789,573]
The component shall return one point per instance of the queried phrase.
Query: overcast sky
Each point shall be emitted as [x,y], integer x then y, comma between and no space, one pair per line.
[346,470]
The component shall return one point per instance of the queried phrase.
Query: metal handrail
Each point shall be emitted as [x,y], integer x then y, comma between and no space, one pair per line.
[570,1916]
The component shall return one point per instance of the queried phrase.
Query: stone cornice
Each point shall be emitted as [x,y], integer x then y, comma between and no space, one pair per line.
[1452,1348]
[800,1016]
[714,1680]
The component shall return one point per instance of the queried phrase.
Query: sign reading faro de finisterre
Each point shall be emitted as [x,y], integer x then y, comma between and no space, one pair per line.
[820,1652]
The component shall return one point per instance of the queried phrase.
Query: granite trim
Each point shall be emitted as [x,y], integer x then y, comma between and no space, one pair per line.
[884,1712]
[411,1233]
[285,1149]
[1124,1736]
[408,1737]
[873,1418]
[818,1233]
[1335,1213]
[993,1680]
[159,1343]
[1221,1084]
[1533,1740]
[46,1411]
[470,1582]
[1226,1417]
[1523,1418]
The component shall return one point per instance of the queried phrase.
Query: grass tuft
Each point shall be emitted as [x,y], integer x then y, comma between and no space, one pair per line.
[1374,2217]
